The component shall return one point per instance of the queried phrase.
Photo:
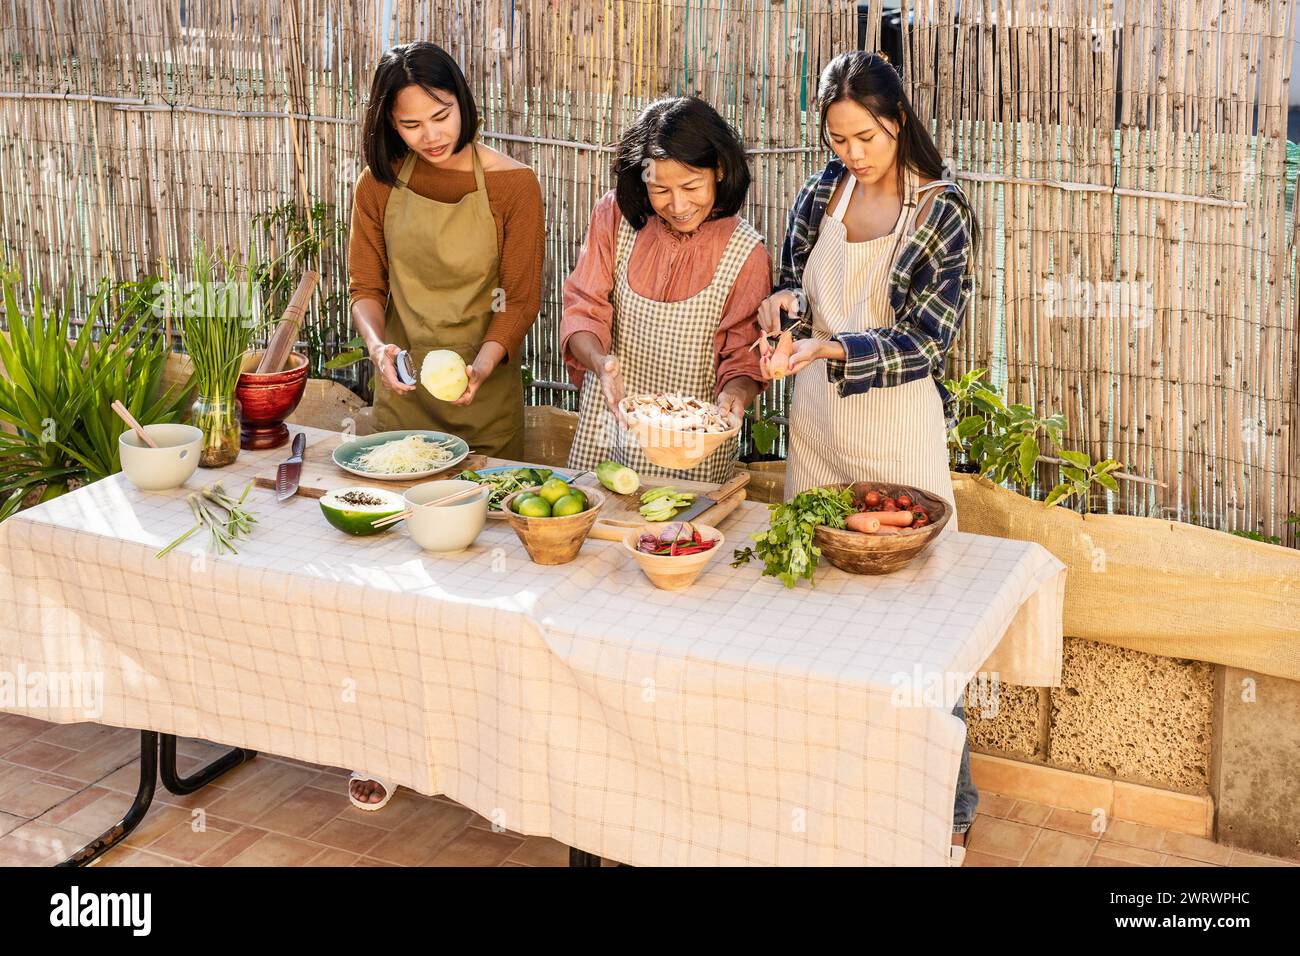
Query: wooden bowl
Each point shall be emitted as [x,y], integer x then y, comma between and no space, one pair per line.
[266,400]
[668,572]
[860,553]
[554,540]
[671,448]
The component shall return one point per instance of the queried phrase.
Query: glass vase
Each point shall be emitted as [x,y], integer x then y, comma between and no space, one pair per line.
[217,417]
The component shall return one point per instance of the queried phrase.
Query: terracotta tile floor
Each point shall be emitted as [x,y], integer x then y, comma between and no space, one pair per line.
[61,785]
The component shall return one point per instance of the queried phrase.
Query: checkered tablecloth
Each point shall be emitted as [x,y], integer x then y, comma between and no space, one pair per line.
[736,722]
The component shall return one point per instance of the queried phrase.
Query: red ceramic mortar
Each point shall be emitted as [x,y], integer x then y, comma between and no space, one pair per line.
[267,400]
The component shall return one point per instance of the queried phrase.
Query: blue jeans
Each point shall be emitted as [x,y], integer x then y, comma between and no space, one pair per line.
[968,797]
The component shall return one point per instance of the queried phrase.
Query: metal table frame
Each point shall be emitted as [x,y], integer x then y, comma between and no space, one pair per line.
[158,758]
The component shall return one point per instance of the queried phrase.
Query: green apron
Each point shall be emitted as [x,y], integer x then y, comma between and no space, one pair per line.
[442,279]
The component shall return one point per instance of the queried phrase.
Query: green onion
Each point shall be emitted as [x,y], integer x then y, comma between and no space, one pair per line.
[225,518]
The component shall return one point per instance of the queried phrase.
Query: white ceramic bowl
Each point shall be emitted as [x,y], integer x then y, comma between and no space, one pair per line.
[446,529]
[167,466]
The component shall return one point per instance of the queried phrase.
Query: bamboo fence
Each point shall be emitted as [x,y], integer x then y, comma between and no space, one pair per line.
[1126,159]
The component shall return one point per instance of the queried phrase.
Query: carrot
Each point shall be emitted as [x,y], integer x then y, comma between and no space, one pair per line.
[896,519]
[778,362]
[863,522]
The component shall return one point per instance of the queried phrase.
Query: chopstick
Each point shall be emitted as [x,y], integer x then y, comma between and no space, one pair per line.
[458,496]
[127,417]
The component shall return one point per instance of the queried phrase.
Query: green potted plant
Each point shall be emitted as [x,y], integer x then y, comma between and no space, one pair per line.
[59,384]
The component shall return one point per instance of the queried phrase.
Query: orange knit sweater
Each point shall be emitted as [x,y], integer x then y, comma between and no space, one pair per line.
[515,198]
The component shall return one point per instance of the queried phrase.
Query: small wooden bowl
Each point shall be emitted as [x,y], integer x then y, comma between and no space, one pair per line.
[554,540]
[669,572]
[860,553]
[679,450]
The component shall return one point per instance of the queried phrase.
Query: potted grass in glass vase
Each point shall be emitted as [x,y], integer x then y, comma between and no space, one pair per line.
[222,315]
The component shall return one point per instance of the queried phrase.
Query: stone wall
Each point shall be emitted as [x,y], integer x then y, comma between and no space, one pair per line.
[1118,713]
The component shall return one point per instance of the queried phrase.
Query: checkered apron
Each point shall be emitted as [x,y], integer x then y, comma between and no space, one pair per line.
[662,347]
[894,435]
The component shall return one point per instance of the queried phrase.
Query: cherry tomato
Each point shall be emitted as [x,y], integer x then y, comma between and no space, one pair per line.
[904,501]
[889,505]
[872,499]
[920,521]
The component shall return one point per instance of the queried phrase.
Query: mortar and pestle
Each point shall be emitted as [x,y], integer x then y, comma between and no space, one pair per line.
[272,381]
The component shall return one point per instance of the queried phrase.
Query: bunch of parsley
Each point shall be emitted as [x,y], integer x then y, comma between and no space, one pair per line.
[786,547]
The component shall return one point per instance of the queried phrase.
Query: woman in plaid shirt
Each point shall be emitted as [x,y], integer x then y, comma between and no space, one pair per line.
[875,272]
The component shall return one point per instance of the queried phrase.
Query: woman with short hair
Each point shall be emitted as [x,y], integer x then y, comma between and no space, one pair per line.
[664,294]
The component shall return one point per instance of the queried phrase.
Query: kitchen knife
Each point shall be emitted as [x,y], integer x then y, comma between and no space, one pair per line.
[290,470]
[703,503]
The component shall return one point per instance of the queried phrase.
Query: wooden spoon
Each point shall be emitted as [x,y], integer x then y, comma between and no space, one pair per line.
[127,417]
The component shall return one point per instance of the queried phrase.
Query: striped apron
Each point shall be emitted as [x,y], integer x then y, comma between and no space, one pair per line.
[662,347]
[893,435]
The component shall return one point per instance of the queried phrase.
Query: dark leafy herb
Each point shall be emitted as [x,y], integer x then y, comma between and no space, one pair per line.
[786,547]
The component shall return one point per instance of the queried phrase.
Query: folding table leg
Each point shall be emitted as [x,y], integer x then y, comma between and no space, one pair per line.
[151,767]
[200,778]
[134,814]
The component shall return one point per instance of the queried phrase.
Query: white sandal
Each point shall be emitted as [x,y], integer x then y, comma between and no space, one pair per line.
[368,807]
[956,855]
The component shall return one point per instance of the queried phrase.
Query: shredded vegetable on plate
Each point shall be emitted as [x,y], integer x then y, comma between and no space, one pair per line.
[404,456]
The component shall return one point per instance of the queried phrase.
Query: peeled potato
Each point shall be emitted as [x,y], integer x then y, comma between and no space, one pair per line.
[443,374]
[778,362]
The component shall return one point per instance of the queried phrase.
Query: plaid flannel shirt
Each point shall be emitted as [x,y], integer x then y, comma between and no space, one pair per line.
[929,290]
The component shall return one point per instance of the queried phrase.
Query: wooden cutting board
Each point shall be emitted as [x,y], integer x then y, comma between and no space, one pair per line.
[320,476]
[621,511]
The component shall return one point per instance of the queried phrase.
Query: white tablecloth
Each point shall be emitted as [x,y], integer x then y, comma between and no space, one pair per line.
[736,722]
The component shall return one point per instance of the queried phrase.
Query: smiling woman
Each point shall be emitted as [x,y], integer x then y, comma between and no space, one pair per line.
[445,252]
[665,290]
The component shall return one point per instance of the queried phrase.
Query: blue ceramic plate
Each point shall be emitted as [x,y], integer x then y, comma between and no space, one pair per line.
[562,475]
[346,455]
[497,469]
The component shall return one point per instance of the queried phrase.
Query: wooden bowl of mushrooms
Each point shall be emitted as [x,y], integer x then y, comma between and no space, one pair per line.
[677,431]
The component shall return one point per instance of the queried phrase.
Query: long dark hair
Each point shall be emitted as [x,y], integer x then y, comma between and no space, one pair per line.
[869,80]
[690,131]
[426,65]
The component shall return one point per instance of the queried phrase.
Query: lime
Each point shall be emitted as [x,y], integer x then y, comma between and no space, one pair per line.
[535,507]
[553,490]
[569,505]
[514,505]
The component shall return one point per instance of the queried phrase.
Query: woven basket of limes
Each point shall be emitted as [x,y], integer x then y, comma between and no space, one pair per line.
[553,519]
